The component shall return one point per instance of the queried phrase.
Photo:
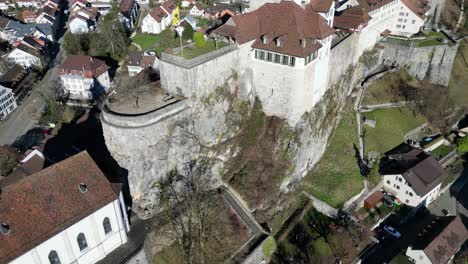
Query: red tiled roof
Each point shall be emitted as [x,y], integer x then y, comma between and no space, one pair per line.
[321,6]
[442,248]
[43,204]
[416,6]
[83,65]
[127,5]
[286,20]
[371,5]
[158,13]
[169,5]
[351,18]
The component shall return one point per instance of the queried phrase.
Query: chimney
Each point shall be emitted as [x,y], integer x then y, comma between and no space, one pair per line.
[4,229]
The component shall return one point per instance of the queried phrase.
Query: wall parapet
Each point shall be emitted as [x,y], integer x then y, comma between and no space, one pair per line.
[141,120]
[179,61]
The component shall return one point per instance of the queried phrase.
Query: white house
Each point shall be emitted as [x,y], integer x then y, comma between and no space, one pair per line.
[411,17]
[187,3]
[84,77]
[25,56]
[43,18]
[412,175]
[28,3]
[66,213]
[138,61]
[5,4]
[197,10]
[438,242]
[7,101]
[157,20]
[78,24]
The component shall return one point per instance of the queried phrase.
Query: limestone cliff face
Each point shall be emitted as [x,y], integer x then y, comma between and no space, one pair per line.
[222,125]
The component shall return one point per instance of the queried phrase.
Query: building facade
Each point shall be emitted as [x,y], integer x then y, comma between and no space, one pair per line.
[7,102]
[84,77]
[85,218]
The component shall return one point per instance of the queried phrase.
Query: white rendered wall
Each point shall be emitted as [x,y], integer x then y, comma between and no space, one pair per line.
[418,256]
[405,189]
[77,86]
[104,80]
[99,244]
[406,22]
[7,101]
[150,25]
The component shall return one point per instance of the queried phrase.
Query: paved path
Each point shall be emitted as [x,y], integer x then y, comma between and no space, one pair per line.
[26,115]
[369,108]
[460,17]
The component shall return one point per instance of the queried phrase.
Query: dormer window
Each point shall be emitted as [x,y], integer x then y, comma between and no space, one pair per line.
[278,42]
[264,40]
[303,43]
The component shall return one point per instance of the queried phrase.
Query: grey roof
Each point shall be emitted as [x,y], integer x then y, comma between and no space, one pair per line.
[418,168]
[21,29]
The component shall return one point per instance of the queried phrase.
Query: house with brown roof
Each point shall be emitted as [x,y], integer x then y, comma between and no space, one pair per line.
[197,10]
[412,175]
[157,20]
[439,241]
[66,213]
[84,77]
[25,55]
[138,61]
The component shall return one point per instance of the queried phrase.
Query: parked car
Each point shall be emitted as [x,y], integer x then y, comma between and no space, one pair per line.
[392,231]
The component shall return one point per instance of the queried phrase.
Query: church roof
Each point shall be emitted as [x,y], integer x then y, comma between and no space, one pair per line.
[41,205]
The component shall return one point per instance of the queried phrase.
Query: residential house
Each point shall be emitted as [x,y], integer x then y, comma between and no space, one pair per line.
[411,17]
[7,101]
[6,4]
[13,31]
[78,216]
[79,23]
[28,3]
[102,7]
[33,161]
[188,19]
[412,175]
[45,18]
[187,3]
[29,16]
[128,13]
[197,10]
[78,4]
[156,21]
[13,78]
[34,43]
[25,56]
[138,61]
[84,77]
[438,242]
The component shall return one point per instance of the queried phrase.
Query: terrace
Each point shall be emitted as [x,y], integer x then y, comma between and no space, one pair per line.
[432,38]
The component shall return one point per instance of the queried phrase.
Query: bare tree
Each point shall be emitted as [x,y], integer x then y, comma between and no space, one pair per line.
[186,200]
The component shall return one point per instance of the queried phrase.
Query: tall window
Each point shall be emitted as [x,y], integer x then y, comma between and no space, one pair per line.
[81,239]
[107,225]
[54,258]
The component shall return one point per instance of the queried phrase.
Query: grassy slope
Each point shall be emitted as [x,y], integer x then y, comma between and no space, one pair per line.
[391,126]
[336,177]
[195,52]
[146,41]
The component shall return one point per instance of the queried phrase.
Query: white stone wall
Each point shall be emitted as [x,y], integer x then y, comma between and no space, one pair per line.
[407,23]
[418,256]
[99,243]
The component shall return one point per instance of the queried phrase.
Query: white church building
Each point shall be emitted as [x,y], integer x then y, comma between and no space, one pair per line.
[66,213]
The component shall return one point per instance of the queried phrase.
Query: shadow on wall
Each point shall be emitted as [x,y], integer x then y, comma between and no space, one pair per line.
[85,133]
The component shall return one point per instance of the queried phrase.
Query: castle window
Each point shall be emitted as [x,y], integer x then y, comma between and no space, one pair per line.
[277,58]
[82,243]
[54,258]
[285,59]
[414,21]
[269,56]
[107,225]
[278,43]
[262,55]
[411,194]
[388,182]
[264,40]
[292,62]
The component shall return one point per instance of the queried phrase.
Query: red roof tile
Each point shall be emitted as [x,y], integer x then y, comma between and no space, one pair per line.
[351,18]
[158,13]
[83,65]
[41,205]
[286,20]
[321,6]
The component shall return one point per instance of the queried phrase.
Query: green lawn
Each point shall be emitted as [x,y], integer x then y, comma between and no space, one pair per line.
[391,126]
[336,177]
[146,41]
[190,53]
[431,39]
[442,151]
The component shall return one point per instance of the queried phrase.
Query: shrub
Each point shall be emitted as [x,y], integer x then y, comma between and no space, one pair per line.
[188,32]
[462,145]
[269,246]
[199,39]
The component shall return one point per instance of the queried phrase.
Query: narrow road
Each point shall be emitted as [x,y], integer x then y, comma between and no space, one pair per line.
[369,108]
[28,113]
